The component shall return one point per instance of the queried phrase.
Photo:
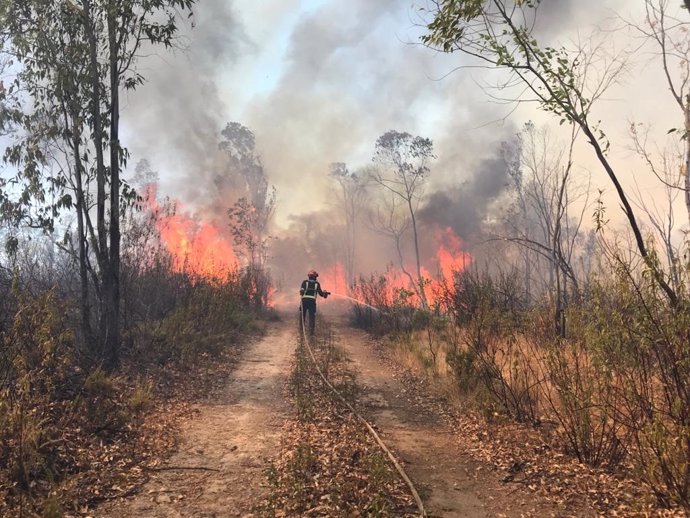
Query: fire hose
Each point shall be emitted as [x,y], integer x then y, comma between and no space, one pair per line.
[379,441]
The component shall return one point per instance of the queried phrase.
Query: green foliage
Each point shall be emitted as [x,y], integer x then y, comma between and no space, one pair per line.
[585,405]
[69,62]
[466,370]
[639,344]
[244,161]
[378,467]
[502,35]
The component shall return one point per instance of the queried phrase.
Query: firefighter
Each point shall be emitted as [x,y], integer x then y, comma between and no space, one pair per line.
[310,289]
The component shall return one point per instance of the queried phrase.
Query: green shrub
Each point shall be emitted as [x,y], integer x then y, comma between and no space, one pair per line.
[642,345]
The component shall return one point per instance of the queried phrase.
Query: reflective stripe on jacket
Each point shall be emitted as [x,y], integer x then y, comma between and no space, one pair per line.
[310,289]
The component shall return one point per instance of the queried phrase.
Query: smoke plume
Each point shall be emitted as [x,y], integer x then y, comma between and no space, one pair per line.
[318,82]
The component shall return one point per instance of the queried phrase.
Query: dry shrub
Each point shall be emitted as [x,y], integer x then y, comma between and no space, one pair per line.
[207,319]
[384,309]
[179,316]
[104,412]
[194,318]
[491,360]
[36,392]
[50,407]
[640,345]
[59,411]
[618,384]
[580,395]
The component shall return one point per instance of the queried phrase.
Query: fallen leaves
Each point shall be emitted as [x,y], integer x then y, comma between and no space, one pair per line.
[532,459]
[328,465]
[99,465]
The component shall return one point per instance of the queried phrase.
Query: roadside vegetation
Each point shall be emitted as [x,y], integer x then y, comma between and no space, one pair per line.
[74,433]
[114,310]
[571,318]
[611,393]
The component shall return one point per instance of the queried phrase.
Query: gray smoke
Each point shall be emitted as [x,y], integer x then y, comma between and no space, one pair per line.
[330,82]
[177,115]
[465,206]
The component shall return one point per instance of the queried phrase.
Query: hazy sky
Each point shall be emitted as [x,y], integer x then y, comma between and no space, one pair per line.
[319,80]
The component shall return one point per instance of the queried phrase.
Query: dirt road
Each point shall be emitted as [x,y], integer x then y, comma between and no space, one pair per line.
[217,471]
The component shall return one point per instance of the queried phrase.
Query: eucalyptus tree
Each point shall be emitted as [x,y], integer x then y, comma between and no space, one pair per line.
[244,161]
[252,213]
[564,82]
[404,160]
[72,60]
[351,195]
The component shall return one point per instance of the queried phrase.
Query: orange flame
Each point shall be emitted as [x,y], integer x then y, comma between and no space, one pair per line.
[449,260]
[333,279]
[198,248]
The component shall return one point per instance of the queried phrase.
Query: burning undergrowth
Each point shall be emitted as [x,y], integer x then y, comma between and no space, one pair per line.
[357,234]
[200,248]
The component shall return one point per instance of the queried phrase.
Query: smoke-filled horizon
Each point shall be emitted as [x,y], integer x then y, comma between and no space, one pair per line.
[317,82]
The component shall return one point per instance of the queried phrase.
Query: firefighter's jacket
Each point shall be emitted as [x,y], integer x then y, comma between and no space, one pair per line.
[310,289]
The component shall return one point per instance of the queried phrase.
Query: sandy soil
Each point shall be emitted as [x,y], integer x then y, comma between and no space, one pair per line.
[228,441]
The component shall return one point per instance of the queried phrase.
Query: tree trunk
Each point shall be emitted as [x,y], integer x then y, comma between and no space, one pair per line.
[420,279]
[686,109]
[98,134]
[351,216]
[81,231]
[101,245]
[628,211]
[113,301]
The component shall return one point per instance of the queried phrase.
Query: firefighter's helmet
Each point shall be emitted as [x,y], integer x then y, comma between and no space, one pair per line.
[313,273]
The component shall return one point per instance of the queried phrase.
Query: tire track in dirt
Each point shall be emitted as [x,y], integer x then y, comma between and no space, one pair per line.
[451,483]
[230,436]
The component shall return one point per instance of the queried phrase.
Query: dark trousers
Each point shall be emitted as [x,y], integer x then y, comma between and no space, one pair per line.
[309,307]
